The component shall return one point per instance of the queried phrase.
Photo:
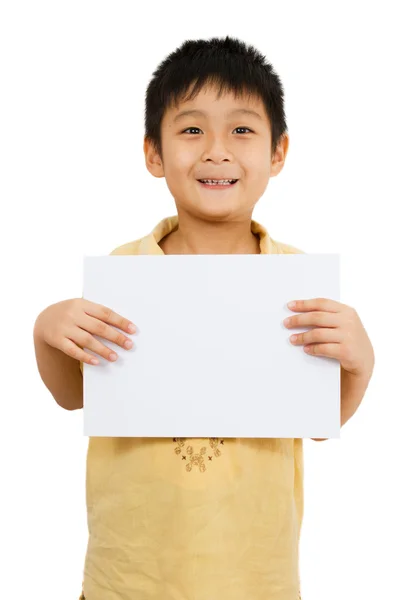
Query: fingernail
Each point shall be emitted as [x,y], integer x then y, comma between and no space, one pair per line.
[131,328]
[128,344]
[291,304]
[113,356]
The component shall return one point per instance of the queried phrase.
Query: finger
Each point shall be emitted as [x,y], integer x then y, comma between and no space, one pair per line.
[324,304]
[317,336]
[329,350]
[96,327]
[86,340]
[107,315]
[71,349]
[319,319]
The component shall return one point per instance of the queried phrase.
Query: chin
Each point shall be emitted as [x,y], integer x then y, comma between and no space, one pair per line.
[214,213]
[216,210]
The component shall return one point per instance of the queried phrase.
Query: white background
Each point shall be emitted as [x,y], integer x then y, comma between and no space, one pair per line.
[73,77]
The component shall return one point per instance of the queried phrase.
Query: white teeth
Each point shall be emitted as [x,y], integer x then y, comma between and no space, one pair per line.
[217,181]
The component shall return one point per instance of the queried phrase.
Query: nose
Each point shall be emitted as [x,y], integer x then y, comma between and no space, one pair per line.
[216,151]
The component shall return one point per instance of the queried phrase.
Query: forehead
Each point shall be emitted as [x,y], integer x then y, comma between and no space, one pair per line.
[210,104]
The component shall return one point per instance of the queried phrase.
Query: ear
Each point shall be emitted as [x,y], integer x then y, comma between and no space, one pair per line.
[278,160]
[152,158]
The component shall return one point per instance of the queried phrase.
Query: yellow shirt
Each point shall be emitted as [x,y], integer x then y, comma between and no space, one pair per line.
[193,519]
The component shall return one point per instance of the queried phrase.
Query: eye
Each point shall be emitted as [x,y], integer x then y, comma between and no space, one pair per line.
[191,128]
[251,131]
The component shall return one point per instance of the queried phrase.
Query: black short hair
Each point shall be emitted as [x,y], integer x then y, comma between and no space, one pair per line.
[225,62]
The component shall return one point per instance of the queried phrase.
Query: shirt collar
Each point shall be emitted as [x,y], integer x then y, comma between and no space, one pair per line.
[149,244]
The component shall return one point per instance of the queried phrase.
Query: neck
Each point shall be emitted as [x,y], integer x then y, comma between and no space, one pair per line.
[195,236]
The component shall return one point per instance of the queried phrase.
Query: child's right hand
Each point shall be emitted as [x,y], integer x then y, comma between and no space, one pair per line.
[69,326]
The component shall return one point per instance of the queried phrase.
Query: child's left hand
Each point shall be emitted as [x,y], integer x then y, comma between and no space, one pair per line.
[338,333]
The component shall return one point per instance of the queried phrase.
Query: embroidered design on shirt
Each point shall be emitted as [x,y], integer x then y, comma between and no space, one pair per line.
[197,459]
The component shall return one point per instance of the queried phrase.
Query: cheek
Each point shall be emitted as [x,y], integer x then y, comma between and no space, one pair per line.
[257,173]
[182,160]
[256,162]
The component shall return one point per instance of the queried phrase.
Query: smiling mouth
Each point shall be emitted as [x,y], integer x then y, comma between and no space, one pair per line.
[218,183]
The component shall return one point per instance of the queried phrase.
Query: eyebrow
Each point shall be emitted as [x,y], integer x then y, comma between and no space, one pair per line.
[200,113]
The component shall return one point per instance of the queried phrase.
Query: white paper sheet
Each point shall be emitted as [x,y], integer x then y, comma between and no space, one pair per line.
[212,357]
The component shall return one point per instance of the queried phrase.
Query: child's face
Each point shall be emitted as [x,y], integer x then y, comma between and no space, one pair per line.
[211,146]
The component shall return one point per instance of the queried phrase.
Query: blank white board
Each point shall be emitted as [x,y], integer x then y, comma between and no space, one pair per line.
[212,357]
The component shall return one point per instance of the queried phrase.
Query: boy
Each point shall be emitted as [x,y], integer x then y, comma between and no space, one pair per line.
[203,519]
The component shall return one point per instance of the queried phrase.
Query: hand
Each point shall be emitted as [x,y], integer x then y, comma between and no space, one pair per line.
[338,334]
[69,325]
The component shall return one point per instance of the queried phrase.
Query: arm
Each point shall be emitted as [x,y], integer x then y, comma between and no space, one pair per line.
[60,373]
[352,391]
